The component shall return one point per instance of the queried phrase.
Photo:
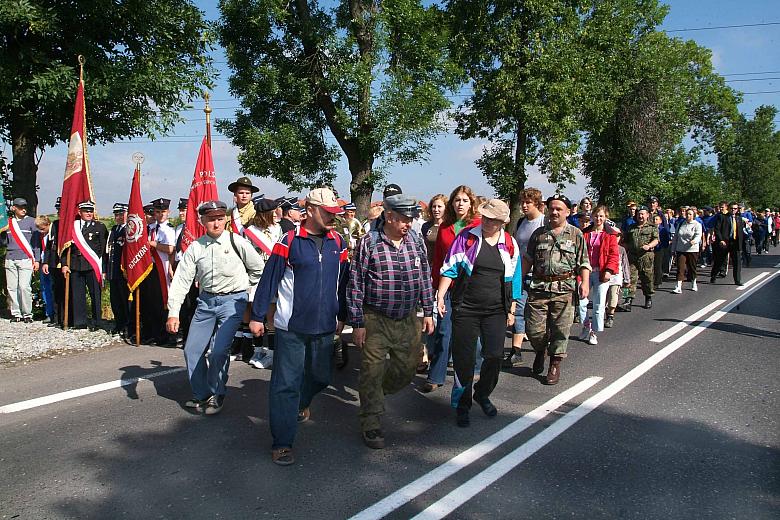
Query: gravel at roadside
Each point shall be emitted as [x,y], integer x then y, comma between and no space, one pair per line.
[25,341]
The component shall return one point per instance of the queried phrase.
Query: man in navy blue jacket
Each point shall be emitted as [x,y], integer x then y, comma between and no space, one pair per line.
[306,274]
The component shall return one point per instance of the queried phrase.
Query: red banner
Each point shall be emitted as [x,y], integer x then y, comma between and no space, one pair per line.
[136,256]
[203,188]
[77,184]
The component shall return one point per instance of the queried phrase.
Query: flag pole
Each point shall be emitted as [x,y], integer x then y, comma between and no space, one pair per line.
[138,317]
[207,110]
[67,257]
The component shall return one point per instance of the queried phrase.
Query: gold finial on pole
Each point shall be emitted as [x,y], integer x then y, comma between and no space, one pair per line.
[207,110]
[82,61]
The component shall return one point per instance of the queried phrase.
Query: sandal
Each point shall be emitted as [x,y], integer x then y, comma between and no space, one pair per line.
[283,456]
[422,367]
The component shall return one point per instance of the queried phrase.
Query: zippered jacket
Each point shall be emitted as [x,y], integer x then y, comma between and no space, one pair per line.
[308,283]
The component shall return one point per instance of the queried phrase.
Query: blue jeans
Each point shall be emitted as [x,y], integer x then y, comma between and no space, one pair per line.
[597,294]
[303,364]
[519,326]
[218,317]
[439,345]
[48,294]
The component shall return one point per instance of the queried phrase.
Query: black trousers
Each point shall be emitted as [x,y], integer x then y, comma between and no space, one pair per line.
[119,304]
[80,283]
[152,310]
[721,253]
[58,287]
[466,328]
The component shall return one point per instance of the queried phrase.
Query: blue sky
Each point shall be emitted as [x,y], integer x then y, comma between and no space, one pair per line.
[738,53]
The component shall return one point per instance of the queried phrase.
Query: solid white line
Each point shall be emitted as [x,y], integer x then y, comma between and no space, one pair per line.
[472,487]
[71,394]
[753,280]
[687,321]
[460,461]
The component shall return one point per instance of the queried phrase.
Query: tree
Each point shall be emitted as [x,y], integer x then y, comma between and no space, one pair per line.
[537,74]
[145,61]
[371,74]
[665,90]
[749,158]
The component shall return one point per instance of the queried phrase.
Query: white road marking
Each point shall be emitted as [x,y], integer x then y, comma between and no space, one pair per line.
[470,488]
[463,459]
[79,392]
[755,279]
[687,321]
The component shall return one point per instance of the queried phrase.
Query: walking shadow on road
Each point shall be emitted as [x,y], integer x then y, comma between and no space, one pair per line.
[161,376]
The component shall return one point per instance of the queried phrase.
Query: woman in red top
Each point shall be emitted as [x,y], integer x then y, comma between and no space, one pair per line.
[459,214]
[604,258]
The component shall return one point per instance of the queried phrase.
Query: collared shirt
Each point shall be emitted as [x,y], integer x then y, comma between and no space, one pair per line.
[391,280]
[552,255]
[247,213]
[30,232]
[640,235]
[214,264]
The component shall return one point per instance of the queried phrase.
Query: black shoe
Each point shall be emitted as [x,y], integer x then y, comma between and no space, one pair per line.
[487,407]
[648,303]
[214,404]
[28,320]
[374,439]
[609,322]
[197,405]
[538,366]
[739,284]
[16,319]
[462,418]
[512,359]
[712,280]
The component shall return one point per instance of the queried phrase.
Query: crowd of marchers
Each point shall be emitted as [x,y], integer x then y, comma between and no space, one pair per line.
[423,287]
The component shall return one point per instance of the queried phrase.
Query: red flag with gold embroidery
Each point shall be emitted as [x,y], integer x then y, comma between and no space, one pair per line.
[202,189]
[136,255]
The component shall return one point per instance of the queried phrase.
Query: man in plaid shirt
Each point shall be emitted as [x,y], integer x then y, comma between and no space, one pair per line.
[389,280]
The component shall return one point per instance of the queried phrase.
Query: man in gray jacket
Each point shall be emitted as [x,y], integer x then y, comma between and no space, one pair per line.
[23,248]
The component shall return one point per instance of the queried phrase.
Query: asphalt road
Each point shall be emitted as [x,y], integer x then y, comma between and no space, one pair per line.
[682,428]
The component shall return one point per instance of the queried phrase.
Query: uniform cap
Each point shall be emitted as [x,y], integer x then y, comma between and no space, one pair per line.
[182,204]
[20,202]
[495,209]
[86,205]
[149,209]
[120,207]
[390,190]
[161,203]
[212,207]
[403,205]
[57,203]
[262,204]
[324,198]
[244,182]
[562,198]
[349,206]
[653,198]
[641,208]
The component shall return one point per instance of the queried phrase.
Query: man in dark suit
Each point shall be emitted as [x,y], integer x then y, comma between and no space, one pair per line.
[729,234]
[82,274]
[112,266]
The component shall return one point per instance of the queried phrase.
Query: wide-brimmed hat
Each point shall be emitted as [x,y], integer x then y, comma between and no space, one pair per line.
[245,182]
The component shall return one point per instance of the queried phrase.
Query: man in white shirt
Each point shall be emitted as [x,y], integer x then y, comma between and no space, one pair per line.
[225,265]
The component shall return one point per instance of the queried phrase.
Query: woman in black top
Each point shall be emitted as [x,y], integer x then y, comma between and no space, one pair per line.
[479,267]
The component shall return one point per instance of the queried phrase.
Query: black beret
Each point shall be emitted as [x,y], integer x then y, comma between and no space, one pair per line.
[562,198]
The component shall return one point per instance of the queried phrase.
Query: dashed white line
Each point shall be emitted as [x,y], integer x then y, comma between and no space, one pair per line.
[79,392]
[470,488]
[460,461]
[753,280]
[687,321]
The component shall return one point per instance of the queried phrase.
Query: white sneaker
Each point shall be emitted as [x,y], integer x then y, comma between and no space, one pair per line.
[694,287]
[585,332]
[592,339]
[677,289]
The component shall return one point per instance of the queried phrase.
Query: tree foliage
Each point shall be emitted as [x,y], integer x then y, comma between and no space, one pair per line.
[373,75]
[665,90]
[145,61]
[749,158]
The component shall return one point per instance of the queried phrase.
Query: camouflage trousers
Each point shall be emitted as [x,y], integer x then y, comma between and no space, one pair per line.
[380,375]
[548,320]
[642,269]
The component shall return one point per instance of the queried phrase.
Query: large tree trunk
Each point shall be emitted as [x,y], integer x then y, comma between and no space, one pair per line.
[515,211]
[360,188]
[25,170]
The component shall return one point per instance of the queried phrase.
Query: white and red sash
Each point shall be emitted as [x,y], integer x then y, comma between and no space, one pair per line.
[235,221]
[20,239]
[162,276]
[92,258]
[259,239]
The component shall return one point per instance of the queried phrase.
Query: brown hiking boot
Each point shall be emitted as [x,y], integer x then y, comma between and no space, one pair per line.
[554,372]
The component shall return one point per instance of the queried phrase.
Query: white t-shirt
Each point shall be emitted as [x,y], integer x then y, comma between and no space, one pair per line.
[524,231]
[166,235]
